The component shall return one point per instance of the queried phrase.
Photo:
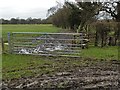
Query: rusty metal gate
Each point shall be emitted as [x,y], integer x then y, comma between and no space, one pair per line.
[50,44]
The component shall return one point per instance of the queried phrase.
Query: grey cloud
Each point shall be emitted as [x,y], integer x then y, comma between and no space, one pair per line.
[8,13]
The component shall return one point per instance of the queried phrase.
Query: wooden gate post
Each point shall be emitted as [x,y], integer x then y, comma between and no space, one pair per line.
[2,43]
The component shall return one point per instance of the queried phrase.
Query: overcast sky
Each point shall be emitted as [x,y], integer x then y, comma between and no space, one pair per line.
[26,8]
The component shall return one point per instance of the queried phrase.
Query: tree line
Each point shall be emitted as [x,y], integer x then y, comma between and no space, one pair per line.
[25,21]
[80,16]
[74,15]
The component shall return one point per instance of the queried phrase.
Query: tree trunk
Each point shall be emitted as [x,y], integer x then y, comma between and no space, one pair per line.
[105,40]
[96,38]
[110,41]
[102,42]
[102,37]
[115,41]
[116,37]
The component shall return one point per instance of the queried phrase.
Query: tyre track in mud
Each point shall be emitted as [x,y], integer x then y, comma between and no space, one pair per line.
[100,76]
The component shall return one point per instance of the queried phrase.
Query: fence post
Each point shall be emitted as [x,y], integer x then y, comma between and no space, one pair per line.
[2,42]
[9,42]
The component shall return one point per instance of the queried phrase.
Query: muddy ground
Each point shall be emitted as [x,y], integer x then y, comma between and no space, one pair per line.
[101,75]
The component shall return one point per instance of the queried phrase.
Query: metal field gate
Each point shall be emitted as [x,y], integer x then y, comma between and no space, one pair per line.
[50,44]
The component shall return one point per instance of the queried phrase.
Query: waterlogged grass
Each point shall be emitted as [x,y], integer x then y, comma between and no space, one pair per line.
[28,28]
[110,52]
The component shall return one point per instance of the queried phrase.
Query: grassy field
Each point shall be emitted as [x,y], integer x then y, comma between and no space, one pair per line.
[28,28]
[16,66]
[110,52]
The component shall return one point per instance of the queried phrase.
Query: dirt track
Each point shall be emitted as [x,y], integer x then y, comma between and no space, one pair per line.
[103,75]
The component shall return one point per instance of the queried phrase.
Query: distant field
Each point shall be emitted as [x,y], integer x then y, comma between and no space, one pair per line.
[27,28]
